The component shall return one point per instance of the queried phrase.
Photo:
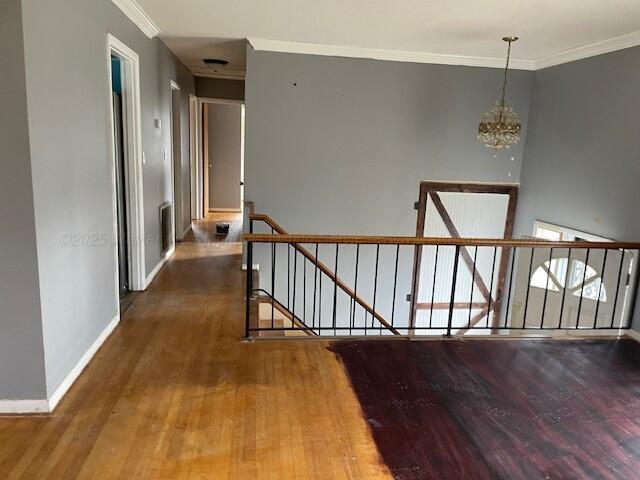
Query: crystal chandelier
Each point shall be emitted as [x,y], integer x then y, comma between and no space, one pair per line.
[500,126]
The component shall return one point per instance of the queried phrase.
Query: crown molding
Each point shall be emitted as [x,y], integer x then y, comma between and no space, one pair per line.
[390,55]
[591,50]
[137,15]
[598,48]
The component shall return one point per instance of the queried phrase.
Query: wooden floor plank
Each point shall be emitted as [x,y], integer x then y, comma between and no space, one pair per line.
[175,394]
[514,409]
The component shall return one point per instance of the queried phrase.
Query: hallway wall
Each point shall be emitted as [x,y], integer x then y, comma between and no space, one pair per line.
[21,351]
[72,167]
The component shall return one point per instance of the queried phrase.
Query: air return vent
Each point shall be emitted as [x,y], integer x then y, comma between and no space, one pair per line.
[166,228]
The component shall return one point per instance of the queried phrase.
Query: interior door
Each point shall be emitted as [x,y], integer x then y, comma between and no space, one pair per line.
[562,288]
[225,156]
[471,293]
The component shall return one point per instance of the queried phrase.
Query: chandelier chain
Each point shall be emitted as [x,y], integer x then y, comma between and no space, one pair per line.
[506,72]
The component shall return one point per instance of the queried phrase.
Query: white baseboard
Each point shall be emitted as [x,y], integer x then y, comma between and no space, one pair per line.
[256,267]
[24,407]
[224,210]
[75,372]
[157,268]
[633,334]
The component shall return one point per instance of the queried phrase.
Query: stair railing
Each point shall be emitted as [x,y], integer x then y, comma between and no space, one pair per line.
[549,286]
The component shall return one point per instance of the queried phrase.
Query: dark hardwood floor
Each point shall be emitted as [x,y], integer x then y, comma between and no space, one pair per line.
[513,409]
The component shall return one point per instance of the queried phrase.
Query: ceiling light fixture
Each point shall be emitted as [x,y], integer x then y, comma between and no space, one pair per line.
[500,126]
[215,62]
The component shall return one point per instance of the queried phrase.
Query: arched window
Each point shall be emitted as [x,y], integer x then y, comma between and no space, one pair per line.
[552,276]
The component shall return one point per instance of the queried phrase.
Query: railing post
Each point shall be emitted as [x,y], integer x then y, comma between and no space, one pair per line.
[453,290]
[249,291]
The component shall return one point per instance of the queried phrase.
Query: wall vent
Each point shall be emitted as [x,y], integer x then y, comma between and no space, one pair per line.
[166,228]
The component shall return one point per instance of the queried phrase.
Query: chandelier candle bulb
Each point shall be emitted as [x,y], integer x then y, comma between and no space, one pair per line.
[500,126]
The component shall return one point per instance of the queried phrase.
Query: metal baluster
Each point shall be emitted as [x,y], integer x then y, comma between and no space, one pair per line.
[320,302]
[493,269]
[395,284]
[473,279]
[546,290]
[526,302]
[247,325]
[453,289]
[295,269]
[584,279]
[564,287]
[615,302]
[304,289]
[315,284]
[335,290]
[273,280]
[513,261]
[355,287]
[433,290]
[289,276]
[375,288]
[604,265]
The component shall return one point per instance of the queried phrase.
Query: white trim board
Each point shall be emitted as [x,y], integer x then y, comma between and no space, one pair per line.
[633,335]
[598,48]
[390,55]
[23,407]
[44,406]
[591,50]
[75,372]
[226,210]
[158,267]
[137,15]
[133,160]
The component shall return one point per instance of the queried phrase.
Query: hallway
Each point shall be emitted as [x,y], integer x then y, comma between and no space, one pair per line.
[174,393]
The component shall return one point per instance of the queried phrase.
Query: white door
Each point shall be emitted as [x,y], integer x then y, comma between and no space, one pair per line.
[558,288]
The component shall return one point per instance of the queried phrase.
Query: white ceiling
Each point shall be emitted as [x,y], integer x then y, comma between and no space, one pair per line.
[424,29]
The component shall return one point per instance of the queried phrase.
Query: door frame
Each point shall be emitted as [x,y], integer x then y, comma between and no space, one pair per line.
[178,234]
[193,157]
[202,141]
[428,188]
[132,124]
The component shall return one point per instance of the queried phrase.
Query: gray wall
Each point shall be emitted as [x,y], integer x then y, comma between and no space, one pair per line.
[583,148]
[225,155]
[71,163]
[22,372]
[339,146]
[349,140]
[220,88]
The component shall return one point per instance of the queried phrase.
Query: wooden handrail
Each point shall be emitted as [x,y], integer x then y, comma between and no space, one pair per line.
[321,266]
[480,242]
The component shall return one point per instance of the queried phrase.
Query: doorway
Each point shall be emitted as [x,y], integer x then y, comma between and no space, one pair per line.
[181,176]
[569,287]
[124,283]
[126,145]
[455,210]
[222,153]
